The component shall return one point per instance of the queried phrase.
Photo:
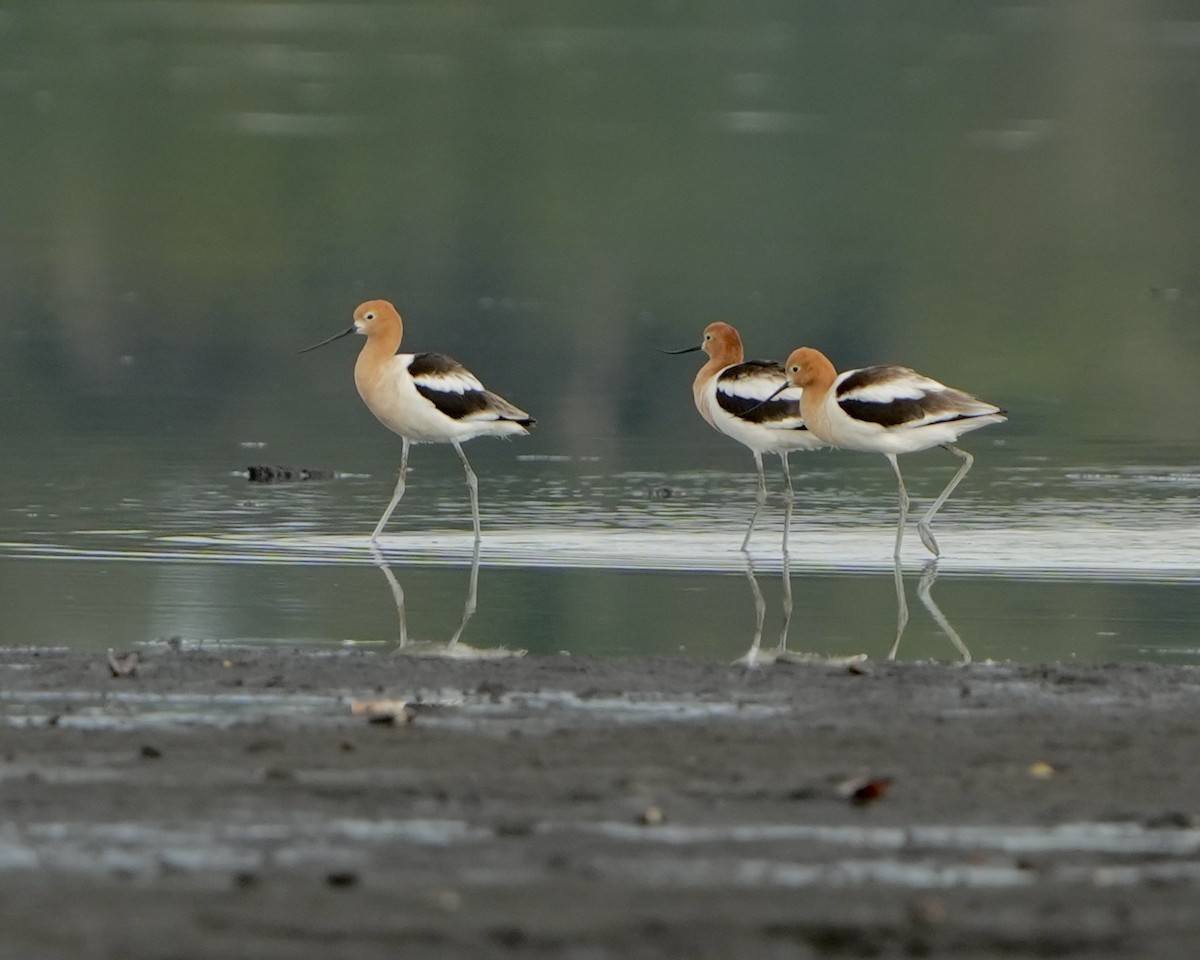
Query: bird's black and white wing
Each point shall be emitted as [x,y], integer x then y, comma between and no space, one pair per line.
[750,392]
[894,397]
[456,392]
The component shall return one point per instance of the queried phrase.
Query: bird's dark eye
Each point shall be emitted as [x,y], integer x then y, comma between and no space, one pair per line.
[368,316]
[795,368]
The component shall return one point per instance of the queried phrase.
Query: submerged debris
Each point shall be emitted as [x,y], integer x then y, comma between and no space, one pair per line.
[267,474]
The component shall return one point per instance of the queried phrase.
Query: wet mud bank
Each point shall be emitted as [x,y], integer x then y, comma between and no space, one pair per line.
[233,802]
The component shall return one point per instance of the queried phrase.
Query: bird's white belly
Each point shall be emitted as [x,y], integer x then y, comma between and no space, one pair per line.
[844,431]
[757,437]
[399,407]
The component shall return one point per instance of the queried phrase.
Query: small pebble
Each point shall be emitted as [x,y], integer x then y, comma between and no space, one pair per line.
[448,900]
[927,912]
[652,816]
[123,664]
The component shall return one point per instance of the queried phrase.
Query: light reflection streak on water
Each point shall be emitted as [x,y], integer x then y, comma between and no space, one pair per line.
[1169,553]
[1030,519]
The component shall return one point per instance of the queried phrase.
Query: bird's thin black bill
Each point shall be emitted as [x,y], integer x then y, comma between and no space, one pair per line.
[763,403]
[336,336]
[684,350]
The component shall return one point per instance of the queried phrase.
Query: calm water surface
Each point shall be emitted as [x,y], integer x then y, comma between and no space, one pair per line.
[1045,556]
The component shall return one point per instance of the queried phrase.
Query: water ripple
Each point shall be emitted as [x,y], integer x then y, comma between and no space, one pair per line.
[1085,549]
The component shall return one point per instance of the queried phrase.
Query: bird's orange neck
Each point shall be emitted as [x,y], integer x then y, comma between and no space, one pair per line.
[383,340]
[815,376]
[724,350]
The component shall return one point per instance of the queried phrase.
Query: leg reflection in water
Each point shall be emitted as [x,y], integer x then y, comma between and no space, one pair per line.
[453,647]
[924,587]
[754,656]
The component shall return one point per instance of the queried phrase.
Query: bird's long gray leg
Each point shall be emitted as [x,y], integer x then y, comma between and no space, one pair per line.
[789,498]
[472,485]
[759,501]
[903,504]
[397,494]
[923,523]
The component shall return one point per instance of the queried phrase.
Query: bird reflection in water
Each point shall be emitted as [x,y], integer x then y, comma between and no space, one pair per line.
[755,656]
[453,648]
[924,594]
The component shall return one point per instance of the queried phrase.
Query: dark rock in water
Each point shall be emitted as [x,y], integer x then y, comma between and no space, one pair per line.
[267,474]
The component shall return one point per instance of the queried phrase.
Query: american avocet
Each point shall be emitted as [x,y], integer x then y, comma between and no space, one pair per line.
[746,400]
[424,397]
[889,410]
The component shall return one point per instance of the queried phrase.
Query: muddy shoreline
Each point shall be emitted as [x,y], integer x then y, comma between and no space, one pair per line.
[230,802]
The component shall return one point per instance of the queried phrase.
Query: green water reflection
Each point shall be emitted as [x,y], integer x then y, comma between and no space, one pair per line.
[1000,195]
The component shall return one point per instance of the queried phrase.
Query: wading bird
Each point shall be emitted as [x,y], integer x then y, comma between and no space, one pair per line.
[424,397]
[889,410]
[745,400]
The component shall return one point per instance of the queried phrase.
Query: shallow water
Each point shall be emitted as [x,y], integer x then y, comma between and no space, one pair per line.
[549,195]
[1046,556]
